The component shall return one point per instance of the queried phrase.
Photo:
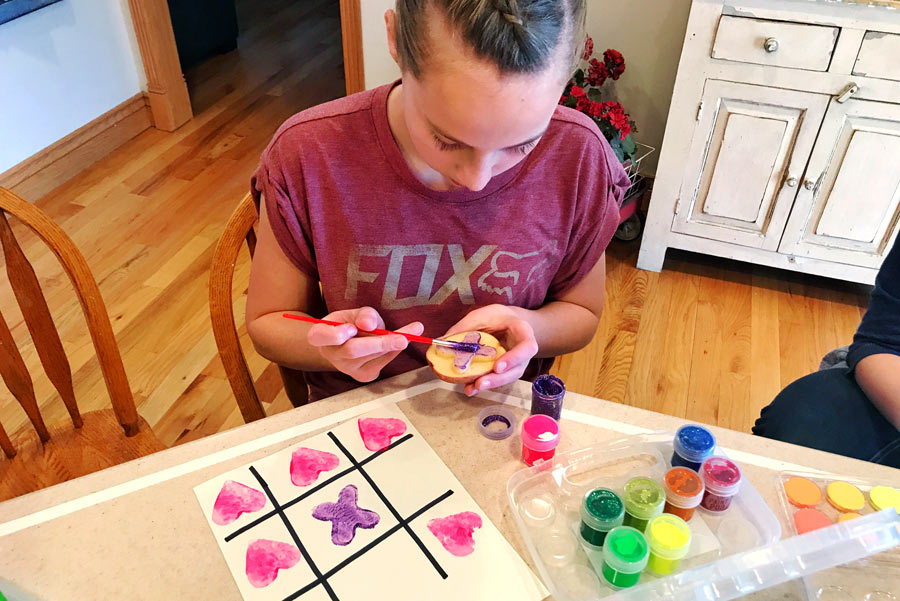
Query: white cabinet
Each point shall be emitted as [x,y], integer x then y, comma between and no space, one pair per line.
[782,145]
[738,185]
[848,207]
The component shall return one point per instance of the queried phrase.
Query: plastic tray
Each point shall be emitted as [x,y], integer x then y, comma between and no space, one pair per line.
[746,555]
[545,500]
[882,582]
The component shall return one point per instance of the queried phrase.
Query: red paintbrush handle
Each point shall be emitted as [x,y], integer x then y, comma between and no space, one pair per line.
[379,332]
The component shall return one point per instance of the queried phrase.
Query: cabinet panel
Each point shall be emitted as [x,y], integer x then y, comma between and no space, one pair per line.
[750,140]
[851,209]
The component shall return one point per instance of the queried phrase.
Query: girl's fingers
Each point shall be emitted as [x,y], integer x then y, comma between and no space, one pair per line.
[321,334]
[367,319]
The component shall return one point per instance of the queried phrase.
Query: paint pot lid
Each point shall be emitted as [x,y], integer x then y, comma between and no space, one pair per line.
[540,432]
[644,498]
[669,536]
[684,487]
[497,414]
[721,476]
[844,496]
[694,443]
[626,550]
[602,509]
[882,497]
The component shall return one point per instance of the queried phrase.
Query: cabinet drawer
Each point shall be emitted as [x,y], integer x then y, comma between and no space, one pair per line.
[775,43]
[878,56]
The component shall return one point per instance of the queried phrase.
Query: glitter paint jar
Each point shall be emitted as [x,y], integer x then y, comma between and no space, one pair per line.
[669,538]
[540,436]
[547,394]
[644,500]
[722,479]
[693,444]
[684,491]
[601,511]
[625,555]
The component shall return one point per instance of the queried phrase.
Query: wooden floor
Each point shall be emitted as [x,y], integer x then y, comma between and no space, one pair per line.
[707,339]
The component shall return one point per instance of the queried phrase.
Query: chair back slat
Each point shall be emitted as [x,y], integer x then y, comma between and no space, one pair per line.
[6,444]
[40,324]
[18,380]
[221,308]
[92,306]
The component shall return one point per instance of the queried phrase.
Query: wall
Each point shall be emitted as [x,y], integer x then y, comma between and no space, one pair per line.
[61,67]
[649,33]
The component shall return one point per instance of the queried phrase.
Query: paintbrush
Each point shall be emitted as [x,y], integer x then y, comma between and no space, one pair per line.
[464,347]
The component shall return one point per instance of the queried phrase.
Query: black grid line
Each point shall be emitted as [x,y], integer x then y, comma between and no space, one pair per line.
[316,488]
[390,506]
[293,533]
[393,530]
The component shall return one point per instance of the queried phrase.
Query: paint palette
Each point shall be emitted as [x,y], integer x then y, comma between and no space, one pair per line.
[366,510]
[811,502]
[546,499]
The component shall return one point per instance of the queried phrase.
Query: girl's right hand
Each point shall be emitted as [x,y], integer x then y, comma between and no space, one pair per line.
[362,358]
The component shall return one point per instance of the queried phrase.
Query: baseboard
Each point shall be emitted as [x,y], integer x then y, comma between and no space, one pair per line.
[40,173]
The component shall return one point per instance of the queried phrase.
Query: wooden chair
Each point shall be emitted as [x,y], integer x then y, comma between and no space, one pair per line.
[39,456]
[238,230]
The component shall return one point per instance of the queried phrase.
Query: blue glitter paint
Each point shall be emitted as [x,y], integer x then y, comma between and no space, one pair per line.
[693,444]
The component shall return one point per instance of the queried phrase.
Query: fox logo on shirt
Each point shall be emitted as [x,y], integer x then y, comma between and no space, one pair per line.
[509,272]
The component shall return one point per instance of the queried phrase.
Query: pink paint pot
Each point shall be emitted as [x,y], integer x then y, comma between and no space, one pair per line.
[722,479]
[540,436]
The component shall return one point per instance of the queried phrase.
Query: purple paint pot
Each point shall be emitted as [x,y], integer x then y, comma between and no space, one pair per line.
[547,394]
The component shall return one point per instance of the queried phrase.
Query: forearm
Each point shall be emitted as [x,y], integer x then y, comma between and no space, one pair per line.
[560,327]
[879,377]
[285,341]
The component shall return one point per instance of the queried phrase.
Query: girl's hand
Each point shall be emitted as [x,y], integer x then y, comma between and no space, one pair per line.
[362,358]
[513,332]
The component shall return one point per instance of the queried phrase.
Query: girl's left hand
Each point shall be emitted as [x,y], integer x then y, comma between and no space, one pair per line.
[513,332]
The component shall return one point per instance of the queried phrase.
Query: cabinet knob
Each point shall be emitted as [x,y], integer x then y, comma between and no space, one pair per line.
[792,182]
[771,45]
[809,184]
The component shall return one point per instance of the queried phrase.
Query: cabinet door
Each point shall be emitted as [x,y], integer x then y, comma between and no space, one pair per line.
[749,149]
[848,207]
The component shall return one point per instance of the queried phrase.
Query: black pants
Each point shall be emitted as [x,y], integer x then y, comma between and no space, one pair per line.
[828,411]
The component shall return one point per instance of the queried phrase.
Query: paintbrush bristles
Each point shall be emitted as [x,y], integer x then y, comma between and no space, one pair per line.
[463,347]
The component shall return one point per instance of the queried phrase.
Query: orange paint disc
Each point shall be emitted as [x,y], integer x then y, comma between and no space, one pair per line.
[809,519]
[846,517]
[802,492]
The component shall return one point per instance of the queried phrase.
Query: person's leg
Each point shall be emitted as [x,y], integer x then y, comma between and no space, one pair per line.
[828,411]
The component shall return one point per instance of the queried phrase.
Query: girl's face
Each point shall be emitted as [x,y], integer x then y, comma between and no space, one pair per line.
[465,120]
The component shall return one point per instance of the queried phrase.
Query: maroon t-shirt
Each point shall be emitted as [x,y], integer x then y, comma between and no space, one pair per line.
[347,210]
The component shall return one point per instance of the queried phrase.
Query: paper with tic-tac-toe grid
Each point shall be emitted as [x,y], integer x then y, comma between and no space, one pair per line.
[367,511]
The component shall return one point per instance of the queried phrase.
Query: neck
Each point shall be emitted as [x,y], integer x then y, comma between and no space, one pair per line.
[397,123]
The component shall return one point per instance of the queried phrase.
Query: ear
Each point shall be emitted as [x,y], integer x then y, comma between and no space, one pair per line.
[390,23]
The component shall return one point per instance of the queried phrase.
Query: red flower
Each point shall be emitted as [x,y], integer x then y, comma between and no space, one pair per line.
[597,73]
[615,63]
[616,116]
[588,49]
[578,92]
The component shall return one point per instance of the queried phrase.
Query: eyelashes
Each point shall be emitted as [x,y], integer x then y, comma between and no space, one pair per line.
[445,147]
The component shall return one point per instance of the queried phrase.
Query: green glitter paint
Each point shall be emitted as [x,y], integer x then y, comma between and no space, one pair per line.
[644,500]
[624,557]
[601,511]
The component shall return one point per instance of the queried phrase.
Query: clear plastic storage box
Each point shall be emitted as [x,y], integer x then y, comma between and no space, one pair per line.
[732,554]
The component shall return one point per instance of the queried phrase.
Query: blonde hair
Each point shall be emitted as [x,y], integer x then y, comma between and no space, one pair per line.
[519,36]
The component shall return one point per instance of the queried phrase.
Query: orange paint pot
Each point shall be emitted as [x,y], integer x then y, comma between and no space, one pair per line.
[684,491]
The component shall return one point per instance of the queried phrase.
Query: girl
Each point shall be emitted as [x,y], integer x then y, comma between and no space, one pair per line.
[461,197]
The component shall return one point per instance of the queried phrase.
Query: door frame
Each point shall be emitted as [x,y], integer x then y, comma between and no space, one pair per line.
[170,103]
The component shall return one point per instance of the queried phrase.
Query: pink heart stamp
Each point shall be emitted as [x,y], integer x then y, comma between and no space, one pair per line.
[235,499]
[455,532]
[377,432]
[307,464]
[266,557]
